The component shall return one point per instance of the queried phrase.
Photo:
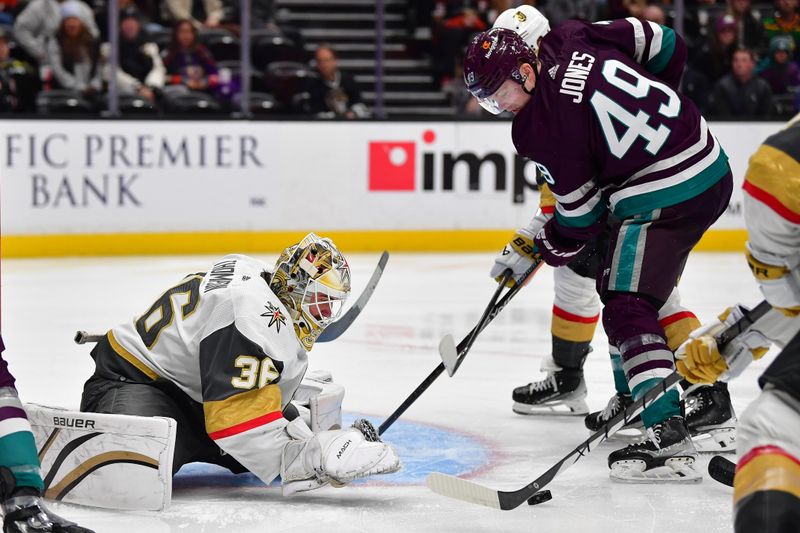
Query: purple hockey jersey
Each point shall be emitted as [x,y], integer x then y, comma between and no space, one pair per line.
[607,129]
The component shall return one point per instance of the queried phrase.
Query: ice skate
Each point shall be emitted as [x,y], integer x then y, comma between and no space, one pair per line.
[562,392]
[596,420]
[667,455]
[710,419]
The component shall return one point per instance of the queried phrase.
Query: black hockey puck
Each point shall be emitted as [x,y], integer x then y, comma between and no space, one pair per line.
[722,470]
[540,497]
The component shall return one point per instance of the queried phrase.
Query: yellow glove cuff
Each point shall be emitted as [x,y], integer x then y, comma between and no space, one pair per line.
[763,271]
[524,246]
[791,312]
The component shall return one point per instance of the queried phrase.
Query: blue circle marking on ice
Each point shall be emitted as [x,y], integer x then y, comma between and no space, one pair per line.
[422,448]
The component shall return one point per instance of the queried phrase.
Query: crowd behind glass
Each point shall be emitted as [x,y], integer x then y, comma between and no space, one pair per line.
[182,56]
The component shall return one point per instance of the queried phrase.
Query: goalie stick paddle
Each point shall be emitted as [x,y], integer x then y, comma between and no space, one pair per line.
[493,310]
[332,332]
[452,356]
[469,491]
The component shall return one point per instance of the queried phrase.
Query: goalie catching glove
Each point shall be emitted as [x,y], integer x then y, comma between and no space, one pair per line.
[699,358]
[338,457]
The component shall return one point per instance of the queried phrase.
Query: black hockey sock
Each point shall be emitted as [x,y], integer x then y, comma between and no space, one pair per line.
[569,354]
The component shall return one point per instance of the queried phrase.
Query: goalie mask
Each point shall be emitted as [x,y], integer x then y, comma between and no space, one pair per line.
[527,21]
[312,279]
[492,57]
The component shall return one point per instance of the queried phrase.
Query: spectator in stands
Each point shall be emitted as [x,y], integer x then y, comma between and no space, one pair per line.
[786,21]
[556,12]
[73,53]
[19,81]
[8,10]
[188,62]
[207,14]
[143,8]
[454,22]
[742,94]
[749,30]
[714,59]
[333,94]
[141,70]
[782,74]
[696,86]
[41,19]
[654,13]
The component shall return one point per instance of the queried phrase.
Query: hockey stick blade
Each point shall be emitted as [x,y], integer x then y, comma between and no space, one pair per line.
[449,353]
[464,490]
[471,492]
[461,350]
[335,330]
[722,470]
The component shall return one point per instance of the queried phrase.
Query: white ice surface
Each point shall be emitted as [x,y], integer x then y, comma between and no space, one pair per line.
[387,353]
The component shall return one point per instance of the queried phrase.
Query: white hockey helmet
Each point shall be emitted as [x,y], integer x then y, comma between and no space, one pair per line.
[312,279]
[527,21]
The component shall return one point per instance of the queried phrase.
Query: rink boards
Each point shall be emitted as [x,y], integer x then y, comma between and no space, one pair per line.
[145,187]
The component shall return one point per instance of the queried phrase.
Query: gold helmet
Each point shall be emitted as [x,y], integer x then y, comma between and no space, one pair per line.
[312,279]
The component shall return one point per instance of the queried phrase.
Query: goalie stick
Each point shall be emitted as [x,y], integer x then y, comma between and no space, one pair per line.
[332,332]
[491,311]
[469,491]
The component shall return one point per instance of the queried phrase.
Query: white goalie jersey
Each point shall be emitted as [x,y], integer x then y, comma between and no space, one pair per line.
[225,339]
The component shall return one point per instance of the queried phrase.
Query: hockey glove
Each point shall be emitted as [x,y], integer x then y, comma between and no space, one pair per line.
[699,358]
[518,255]
[555,249]
[779,284]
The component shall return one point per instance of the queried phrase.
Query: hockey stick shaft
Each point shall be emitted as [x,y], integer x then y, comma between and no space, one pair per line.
[465,490]
[462,352]
[335,330]
[332,332]
[493,309]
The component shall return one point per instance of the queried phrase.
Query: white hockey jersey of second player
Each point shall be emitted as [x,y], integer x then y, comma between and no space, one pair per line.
[225,339]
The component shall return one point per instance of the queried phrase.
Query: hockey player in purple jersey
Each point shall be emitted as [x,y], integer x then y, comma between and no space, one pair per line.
[576,311]
[20,474]
[599,113]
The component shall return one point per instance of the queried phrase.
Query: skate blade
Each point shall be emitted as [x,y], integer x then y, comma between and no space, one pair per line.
[572,408]
[676,470]
[722,440]
[627,434]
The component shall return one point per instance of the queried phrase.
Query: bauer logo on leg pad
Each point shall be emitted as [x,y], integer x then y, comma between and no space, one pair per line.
[104,460]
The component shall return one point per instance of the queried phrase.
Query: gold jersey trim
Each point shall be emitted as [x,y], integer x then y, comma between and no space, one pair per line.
[778,174]
[221,415]
[129,357]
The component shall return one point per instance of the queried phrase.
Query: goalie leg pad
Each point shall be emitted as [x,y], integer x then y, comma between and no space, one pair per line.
[105,460]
